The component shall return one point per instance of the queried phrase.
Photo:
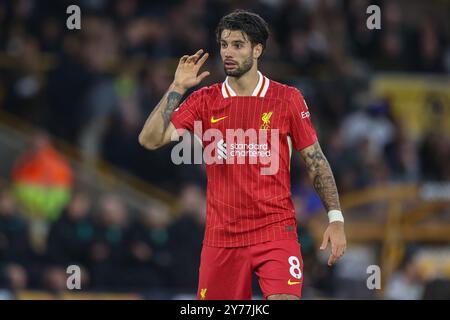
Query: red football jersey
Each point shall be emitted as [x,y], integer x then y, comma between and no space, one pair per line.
[250,139]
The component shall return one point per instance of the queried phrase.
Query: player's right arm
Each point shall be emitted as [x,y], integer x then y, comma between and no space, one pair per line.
[158,128]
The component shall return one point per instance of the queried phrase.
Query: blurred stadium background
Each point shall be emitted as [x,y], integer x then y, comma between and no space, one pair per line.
[76,187]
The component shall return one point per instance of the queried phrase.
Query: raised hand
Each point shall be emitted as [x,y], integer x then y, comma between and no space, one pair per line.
[186,75]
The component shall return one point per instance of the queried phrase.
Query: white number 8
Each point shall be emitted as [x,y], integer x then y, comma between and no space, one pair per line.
[295,267]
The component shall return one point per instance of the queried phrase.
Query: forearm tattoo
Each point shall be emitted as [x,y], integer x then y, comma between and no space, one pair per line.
[322,177]
[173,100]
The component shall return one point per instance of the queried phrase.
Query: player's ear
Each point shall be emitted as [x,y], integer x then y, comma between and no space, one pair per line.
[257,51]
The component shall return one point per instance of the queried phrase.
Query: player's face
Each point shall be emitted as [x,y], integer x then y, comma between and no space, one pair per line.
[237,53]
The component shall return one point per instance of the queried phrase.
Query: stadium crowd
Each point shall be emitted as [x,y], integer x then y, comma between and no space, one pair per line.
[118,251]
[95,87]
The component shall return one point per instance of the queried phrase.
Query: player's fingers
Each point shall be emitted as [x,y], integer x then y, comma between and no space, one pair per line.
[343,248]
[183,59]
[324,244]
[203,75]
[332,259]
[190,59]
[202,60]
[195,56]
[334,249]
[198,54]
[339,252]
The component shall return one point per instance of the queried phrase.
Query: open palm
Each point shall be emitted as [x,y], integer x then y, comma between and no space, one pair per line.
[186,75]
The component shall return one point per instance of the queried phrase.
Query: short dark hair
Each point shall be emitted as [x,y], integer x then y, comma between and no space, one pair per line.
[251,23]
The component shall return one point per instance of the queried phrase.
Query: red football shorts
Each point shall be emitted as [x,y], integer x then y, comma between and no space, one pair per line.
[226,273]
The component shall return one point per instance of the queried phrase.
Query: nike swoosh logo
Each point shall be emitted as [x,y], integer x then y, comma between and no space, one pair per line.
[217,120]
[293,282]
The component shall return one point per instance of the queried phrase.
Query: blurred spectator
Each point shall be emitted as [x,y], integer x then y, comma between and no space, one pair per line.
[15,251]
[107,250]
[391,56]
[435,157]
[406,283]
[70,236]
[429,55]
[119,124]
[186,236]
[393,45]
[42,179]
[51,34]
[13,277]
[54,280]
[300,54]
[102,98]
[14,240]
[371,124]
[363,40]
[148,246]
[26,85]
[402,156]
[66,93]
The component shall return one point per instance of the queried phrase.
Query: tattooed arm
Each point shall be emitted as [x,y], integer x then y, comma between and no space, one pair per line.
[158,129]
[319,172]
[322,178]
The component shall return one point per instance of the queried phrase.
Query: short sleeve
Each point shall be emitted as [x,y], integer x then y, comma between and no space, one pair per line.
[301,129]
[189,111]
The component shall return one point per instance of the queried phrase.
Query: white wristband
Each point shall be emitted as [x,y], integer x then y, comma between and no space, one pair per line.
[335,215]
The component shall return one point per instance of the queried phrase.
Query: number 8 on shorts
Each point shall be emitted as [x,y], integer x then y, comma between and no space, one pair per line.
[295,267]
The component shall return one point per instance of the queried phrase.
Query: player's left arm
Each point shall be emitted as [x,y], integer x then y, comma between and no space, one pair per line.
[320,174]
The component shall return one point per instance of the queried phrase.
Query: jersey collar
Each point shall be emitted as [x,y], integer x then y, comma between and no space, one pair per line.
[260,90]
